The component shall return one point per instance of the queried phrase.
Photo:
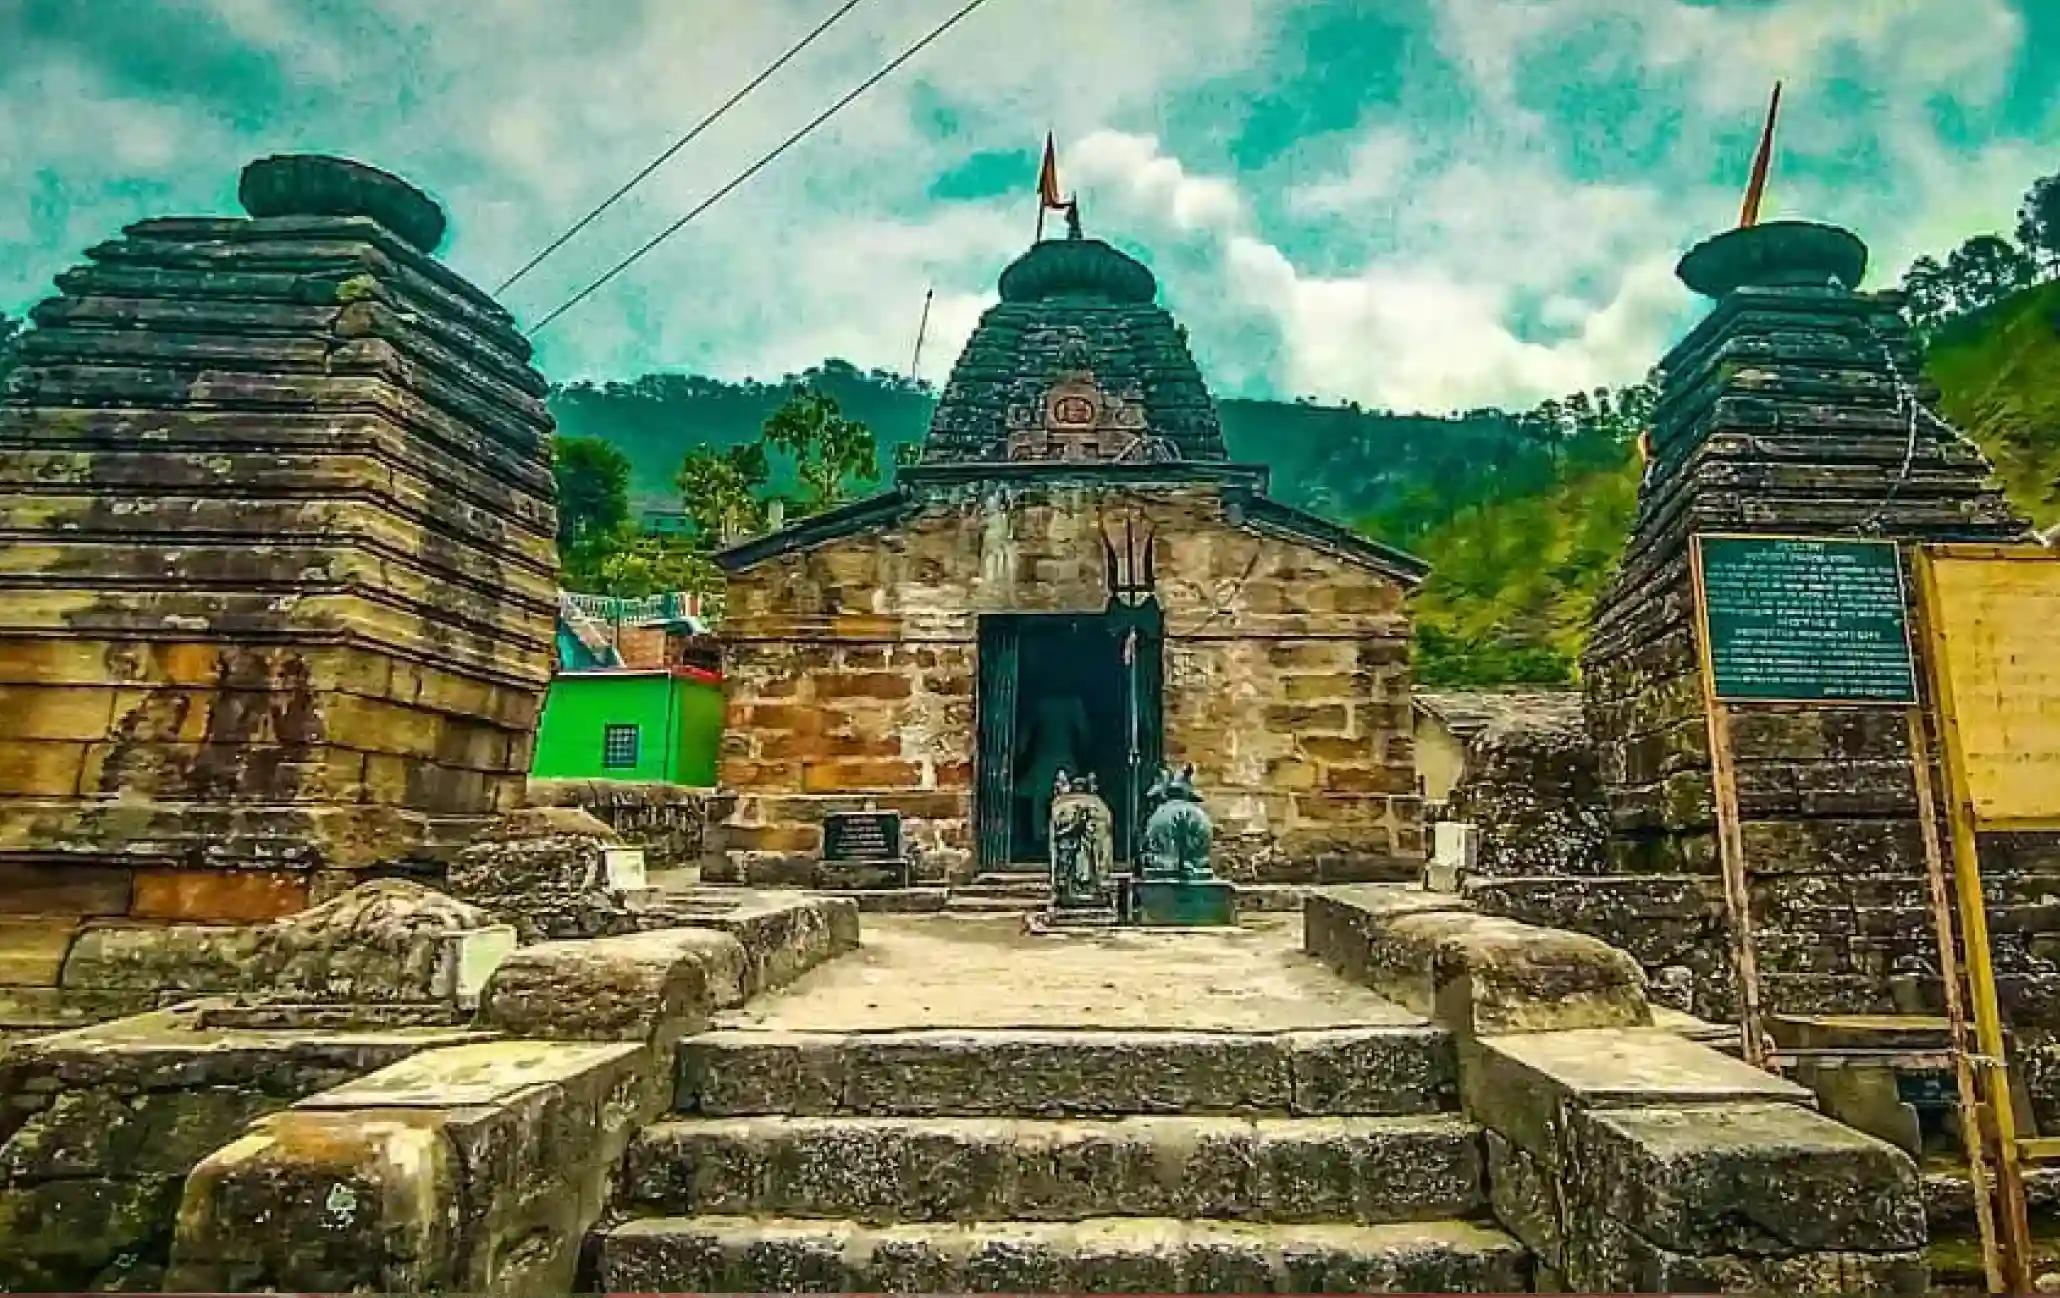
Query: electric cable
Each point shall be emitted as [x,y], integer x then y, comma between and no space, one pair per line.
[755,167]
[681,143]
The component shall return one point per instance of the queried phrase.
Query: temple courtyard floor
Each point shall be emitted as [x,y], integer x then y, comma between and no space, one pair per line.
[965,971]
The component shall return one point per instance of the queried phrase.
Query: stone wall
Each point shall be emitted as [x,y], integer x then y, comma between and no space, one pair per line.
[279,607]
[100,1127]
[479,1170]
[852,677]
[1626,1157]
[668,821]
[1531,788]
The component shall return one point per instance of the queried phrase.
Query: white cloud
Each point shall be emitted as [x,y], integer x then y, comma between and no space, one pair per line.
[1437,261]
[1375,171]
[1132,170]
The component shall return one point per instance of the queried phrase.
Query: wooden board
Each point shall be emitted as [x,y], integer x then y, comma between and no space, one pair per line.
[1997,644]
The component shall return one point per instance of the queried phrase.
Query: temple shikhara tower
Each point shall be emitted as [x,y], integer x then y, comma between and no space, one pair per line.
[1074,573]
[1795,407]
[278,600]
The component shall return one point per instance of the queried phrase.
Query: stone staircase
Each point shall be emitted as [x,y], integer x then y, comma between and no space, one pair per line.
[1000,892]
[1326,1160]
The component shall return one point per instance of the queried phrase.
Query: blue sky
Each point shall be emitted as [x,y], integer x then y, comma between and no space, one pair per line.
[1420,204]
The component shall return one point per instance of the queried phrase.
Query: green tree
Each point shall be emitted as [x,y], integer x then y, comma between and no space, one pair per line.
[593,491]
[1980,273]
[830,451]
[644,564]
[2038,220]
[722,492]
[1986,269]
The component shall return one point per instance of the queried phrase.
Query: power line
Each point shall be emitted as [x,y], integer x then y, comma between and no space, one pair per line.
[757,166]
[681,143]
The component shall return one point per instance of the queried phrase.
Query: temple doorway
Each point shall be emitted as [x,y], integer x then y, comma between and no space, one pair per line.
[1079,692]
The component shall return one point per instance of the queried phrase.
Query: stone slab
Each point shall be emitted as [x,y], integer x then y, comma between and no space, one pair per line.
[32,951]
[486,1072]
[1773,1179]
[1132,1254]
[1521,1085]
[652,987]
[103,1123]
[1474,973]
[784,935]
[1009,1072]
[1618,1260]
[477,1168]
[891,901]
[937,971]
[961,1169]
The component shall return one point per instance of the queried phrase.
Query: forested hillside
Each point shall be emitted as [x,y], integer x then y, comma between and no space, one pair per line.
[1396,474]
[1998,374]
[1521,512]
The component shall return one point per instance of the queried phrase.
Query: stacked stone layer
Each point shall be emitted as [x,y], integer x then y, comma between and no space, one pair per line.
[1788,410]
[852,681]
[278,592]
[1077,299]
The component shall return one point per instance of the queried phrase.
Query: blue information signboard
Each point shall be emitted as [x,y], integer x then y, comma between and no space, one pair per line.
[1806,620]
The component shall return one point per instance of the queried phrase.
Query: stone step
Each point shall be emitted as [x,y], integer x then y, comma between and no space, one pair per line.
[884,1170]
[1055,1072]
[1102,1255]
[961,904]
[1027,889]
[1008,881]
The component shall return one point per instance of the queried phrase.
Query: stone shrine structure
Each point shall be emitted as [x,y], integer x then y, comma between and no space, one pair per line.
[278,602]
[1073,542]
[284,623]
[1794,408]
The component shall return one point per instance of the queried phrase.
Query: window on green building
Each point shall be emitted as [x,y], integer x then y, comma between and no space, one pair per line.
[619,746]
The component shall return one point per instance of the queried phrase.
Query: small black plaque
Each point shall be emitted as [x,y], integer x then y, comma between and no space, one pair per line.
[862,836]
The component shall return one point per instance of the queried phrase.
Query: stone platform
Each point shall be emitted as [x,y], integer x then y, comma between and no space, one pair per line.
[963,971]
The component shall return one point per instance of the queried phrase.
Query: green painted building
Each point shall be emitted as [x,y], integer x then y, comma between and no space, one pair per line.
[658,723]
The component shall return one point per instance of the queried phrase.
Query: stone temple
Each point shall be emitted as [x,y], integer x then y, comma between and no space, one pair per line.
[286,937]
[1074,543]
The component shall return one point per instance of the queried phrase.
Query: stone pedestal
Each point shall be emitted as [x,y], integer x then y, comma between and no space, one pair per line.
[1184,903]
[280,601]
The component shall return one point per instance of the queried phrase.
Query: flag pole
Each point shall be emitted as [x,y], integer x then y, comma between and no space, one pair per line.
[915,363]
[1762,161]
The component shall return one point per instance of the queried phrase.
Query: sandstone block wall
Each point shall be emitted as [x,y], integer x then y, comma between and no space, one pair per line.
[278,605]
[852,676]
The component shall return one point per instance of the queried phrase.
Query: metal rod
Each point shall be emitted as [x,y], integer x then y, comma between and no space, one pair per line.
[915,362]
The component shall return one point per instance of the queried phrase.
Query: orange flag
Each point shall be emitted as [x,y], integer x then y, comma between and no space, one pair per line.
[1048,176]
[1756,189]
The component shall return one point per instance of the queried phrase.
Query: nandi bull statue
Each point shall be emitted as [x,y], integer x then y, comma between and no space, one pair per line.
[1178,832]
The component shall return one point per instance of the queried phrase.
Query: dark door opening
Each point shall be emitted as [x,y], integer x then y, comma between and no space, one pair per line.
[1079,692]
